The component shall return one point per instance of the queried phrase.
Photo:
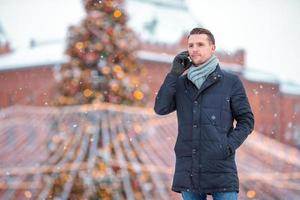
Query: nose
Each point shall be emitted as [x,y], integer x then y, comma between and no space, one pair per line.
[194,49]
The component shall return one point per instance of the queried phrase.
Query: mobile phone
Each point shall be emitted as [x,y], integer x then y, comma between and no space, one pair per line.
[188,62]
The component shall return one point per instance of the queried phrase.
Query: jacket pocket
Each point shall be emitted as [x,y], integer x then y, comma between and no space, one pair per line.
[218,166]
[215,150]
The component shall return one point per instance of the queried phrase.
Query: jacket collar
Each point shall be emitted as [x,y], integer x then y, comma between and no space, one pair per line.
[193,92]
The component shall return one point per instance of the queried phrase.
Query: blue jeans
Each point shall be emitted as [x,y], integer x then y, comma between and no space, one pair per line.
[216,196]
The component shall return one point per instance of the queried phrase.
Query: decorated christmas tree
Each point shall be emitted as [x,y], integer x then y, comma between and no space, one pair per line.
[102,67]
[102,64]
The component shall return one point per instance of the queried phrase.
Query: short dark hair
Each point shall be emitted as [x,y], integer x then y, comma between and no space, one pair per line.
[210,36]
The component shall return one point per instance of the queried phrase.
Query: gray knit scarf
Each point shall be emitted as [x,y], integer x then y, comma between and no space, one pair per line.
[198,74]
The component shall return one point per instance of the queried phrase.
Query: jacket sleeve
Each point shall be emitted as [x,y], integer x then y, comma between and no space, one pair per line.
[243,115]
[165,102]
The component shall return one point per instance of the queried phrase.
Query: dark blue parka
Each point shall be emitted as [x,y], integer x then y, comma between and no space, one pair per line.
[207,140]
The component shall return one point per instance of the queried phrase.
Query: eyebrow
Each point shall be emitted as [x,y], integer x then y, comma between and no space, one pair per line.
[196,43]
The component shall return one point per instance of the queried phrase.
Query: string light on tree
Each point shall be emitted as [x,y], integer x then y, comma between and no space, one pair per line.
[101,59]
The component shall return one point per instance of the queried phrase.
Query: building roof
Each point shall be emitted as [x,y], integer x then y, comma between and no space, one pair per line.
[290,88]
[259,76]
[38,56]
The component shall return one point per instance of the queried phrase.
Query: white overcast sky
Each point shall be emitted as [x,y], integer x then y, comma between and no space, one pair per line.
[268,30]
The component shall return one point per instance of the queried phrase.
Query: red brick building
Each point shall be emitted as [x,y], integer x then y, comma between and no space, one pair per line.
[276,107]
[31,86]
[290,115]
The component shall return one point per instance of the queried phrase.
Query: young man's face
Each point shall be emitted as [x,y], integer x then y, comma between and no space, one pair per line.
[199,48]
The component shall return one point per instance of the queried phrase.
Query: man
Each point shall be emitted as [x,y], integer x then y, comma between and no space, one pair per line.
[207,100]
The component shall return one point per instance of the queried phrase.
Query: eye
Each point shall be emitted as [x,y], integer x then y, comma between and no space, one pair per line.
[190,45]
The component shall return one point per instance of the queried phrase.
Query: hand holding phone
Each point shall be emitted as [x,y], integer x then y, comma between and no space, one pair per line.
[181,62]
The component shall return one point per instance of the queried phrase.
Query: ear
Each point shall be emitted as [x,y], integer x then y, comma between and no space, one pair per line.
[213,47]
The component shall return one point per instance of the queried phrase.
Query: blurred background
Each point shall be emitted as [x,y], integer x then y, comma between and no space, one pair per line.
[78,79]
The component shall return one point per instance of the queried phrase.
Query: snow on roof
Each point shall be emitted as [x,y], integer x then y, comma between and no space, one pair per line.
[156,57]
[154,22]
[37,56]
[260,76]
[179,4]
[54,54]
[290,88]
[231,67]
[168,58]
